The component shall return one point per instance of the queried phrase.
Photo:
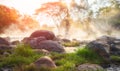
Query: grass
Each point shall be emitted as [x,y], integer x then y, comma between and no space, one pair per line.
[115,58]
[69,61]
[23,56]
[71,44]
[90,56]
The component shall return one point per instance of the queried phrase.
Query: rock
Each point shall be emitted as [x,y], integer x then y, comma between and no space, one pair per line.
[99,49]
[49,45]
[89,67]
[6,69]
[112,42]
[6,54]
[57,40]
[4,41]
[106,46]
[65,40]
[26,40]
[41,51]
[43,33]
[15,42]
[106,41]
[35,41]
[45,62]
[4,48]
[113,67]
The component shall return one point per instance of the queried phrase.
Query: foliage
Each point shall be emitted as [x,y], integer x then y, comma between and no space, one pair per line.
[57,12]
[7,17]
[29,21]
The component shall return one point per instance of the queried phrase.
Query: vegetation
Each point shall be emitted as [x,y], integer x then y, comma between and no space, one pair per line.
[115,58]
[71,44]
[7,17]
[22,57]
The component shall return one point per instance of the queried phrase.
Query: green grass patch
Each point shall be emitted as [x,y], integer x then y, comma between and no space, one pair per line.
[90,56]
[71,44]
[115,58]
[69,61]
[23,54]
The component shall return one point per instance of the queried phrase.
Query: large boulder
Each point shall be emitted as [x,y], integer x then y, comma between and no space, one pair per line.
[105,46]
[48,45]
[99,49]
[43,33]
[89,67]
[112,42]
[45,62]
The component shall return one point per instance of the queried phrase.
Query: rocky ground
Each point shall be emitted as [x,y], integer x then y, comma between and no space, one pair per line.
[45,42]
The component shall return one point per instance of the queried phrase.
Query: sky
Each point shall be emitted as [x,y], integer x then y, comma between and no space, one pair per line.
[28,6]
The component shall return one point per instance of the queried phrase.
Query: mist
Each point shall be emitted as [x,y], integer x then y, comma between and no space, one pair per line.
[71,20]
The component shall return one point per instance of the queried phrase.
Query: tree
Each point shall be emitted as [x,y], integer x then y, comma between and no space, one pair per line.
[8,16]
[58,12]
[27,22]
[107,14]
[82,14]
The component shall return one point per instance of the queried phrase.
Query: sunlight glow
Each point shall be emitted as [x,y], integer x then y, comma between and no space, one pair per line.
[25,6]
[29,6]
